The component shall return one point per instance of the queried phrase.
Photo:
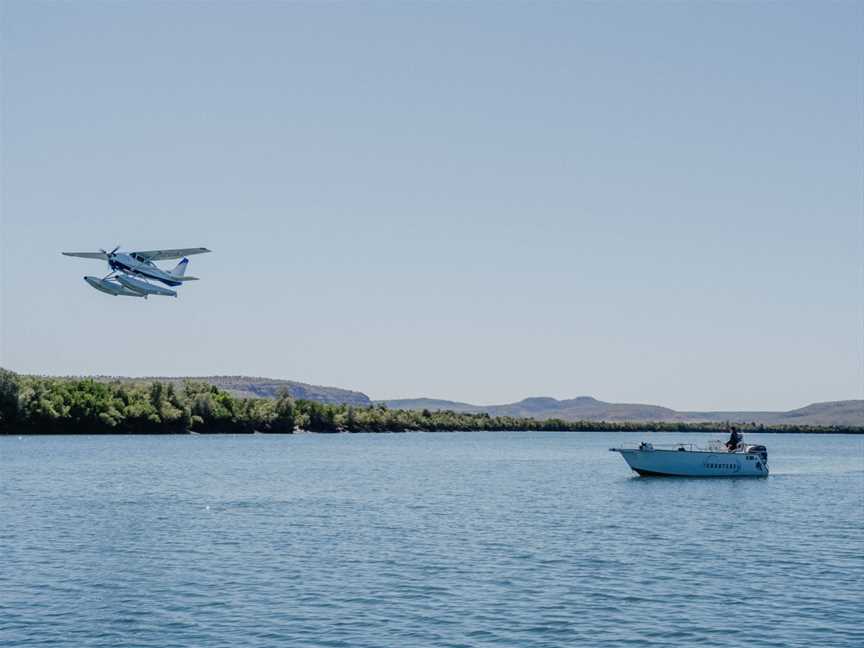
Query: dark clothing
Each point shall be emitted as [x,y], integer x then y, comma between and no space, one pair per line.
[734,440]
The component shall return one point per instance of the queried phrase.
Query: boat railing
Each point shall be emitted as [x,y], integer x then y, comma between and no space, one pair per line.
[714,445]
[657,446]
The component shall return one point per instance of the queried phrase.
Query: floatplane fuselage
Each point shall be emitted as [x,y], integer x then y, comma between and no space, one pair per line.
[133,273]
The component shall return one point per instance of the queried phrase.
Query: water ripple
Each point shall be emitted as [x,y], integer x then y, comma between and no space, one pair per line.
[456,540]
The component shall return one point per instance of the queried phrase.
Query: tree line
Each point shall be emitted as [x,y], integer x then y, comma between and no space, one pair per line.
[39,405]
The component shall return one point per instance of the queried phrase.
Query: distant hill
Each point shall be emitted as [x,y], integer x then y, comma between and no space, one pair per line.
[849,412]
[585,408]
[582,408]
[432,404]
[251,387]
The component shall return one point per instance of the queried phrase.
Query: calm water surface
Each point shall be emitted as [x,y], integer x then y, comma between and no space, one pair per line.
[509,539]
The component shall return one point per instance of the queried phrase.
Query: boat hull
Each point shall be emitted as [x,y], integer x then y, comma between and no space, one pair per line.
[694,463]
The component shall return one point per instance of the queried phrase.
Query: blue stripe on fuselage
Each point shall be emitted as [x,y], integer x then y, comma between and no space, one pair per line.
[117,265]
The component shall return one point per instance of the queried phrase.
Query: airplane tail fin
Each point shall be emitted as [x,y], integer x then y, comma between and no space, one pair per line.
[180,269]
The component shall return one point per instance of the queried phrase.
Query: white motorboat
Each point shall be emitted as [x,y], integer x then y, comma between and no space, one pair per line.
[687,460]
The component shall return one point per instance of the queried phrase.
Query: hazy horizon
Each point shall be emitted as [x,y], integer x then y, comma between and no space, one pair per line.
[641,203]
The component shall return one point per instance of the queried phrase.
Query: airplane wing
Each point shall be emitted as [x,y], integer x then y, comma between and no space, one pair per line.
[159,255]
[88,255]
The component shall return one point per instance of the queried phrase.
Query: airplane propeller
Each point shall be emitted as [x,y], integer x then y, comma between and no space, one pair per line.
[111,253]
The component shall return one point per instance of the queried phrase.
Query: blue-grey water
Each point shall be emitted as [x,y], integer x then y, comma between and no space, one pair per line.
[467,539]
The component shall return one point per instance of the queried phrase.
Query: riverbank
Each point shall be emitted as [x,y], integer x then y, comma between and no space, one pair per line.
[20,432]
[31,405]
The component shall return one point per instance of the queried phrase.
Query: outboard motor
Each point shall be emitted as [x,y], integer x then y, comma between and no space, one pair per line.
[761,453]
[759,450]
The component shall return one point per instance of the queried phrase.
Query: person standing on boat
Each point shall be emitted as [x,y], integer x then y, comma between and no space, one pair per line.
[734,439]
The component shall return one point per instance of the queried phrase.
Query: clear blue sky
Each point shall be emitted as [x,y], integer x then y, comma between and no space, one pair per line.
[649,202]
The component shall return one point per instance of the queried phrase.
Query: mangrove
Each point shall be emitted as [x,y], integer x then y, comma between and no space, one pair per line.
[43,405]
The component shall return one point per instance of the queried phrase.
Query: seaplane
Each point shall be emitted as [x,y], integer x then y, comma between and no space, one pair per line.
[133,273]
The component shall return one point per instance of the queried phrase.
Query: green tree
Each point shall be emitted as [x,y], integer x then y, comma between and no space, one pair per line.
[8,396]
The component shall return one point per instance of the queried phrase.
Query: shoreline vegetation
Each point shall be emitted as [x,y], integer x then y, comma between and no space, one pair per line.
[37,405]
